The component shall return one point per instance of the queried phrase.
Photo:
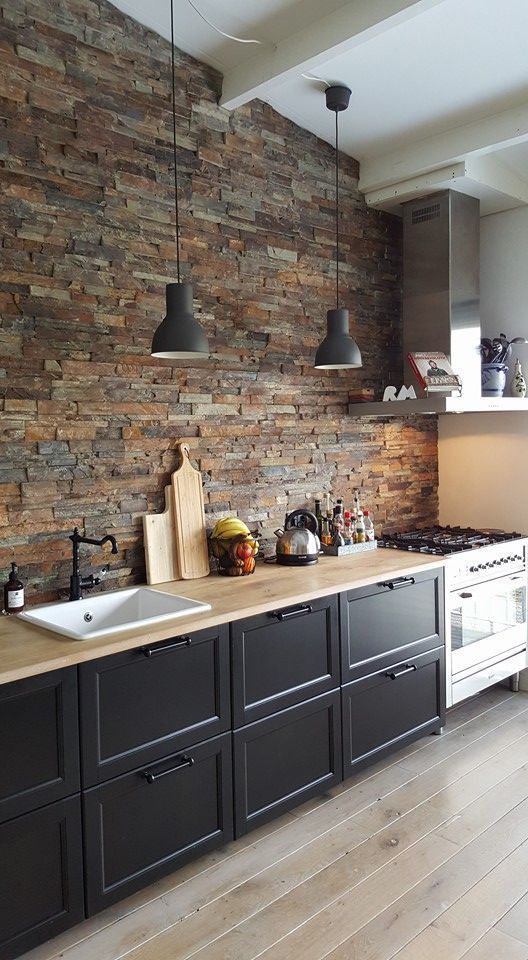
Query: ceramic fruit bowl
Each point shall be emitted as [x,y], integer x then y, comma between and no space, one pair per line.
[235,557]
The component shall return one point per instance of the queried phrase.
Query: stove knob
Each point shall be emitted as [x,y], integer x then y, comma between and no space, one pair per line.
[473,569]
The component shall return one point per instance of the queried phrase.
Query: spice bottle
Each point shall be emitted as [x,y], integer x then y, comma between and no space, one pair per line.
[369,527]
[13,592]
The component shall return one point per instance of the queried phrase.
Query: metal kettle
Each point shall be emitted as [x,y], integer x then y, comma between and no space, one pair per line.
[298,543]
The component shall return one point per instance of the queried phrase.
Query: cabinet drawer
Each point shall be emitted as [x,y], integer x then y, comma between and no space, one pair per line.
[41,884]
[283,760]
[380,620]
[141,705]
[39,741]
[384,711]
[147,823]
[284,657]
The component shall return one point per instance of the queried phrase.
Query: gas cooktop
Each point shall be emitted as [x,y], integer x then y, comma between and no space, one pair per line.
[441,541]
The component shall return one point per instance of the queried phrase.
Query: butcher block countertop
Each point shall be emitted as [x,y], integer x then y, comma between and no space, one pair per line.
[27,650]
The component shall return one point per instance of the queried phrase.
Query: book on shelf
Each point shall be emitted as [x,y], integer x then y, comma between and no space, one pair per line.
[434,372]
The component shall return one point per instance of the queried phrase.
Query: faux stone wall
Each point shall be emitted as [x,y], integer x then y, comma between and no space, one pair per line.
[88,419]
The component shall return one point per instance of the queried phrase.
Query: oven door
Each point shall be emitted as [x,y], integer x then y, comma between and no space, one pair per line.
[487,622]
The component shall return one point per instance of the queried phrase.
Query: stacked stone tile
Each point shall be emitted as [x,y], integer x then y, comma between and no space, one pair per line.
[89,420]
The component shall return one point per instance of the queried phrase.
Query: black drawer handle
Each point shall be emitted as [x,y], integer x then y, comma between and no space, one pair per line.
[394,674]
[398,583]
[152,651]
[290,614]
[185,762]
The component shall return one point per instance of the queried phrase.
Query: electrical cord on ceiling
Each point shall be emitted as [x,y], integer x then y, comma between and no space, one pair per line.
[311,76]
[228,36]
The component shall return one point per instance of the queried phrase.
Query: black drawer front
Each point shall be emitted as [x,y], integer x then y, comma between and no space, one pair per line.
[145,824]
[380,620]
[41,884]
[386,710]
[39,741]
[284,657]
[141,705]
[283,760]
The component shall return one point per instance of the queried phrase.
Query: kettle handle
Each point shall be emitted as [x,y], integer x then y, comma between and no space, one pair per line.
[311,525]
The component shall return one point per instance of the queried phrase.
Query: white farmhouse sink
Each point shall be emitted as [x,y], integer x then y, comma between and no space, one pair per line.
[109,613]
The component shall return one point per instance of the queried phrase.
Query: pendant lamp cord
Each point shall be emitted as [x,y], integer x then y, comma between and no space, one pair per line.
[337,205]
[175,158]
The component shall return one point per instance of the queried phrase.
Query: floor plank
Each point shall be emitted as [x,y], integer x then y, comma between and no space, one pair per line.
[495,945]
[259,889]
[515,922]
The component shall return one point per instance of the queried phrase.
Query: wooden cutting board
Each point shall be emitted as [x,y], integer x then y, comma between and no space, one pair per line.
[159,538]
[189,519]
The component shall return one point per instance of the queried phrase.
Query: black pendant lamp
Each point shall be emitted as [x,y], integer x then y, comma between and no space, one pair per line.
[179,336]
[339,350]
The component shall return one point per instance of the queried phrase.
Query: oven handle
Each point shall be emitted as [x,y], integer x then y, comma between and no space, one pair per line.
[465,595]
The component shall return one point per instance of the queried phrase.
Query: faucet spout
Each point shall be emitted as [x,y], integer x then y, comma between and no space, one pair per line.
[109,539]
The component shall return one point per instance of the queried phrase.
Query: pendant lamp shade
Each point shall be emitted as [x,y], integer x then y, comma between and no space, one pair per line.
[338,351]
[179,336]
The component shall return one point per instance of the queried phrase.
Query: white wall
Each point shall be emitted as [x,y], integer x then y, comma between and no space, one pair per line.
[483,458]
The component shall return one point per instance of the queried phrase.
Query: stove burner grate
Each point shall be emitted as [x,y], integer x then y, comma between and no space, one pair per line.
[441,541]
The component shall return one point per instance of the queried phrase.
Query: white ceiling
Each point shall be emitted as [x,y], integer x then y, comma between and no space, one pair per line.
[426,77]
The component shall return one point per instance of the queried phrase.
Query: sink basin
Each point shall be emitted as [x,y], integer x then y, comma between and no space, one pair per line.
[106,614]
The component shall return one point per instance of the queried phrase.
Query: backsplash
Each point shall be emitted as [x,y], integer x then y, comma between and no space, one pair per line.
[89,420]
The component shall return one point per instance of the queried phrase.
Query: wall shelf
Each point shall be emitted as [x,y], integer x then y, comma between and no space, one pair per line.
[435,405]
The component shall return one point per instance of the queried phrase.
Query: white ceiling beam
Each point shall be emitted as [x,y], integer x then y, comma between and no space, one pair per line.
[491,172]
[315,44]
[486,177]
[474,139]
[396,193]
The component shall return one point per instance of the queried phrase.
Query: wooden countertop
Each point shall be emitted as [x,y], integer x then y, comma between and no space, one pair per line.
[27,650]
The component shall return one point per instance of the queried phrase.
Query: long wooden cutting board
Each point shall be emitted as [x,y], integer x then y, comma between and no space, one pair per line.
[159,538]
[189,519]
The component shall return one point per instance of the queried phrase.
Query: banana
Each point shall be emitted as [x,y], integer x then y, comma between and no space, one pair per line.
[229,527]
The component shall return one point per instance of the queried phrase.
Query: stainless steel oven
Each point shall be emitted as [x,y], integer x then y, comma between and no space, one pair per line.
[486,623]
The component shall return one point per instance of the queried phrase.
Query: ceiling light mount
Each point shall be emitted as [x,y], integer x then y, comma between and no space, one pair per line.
[338,351]
[338,97]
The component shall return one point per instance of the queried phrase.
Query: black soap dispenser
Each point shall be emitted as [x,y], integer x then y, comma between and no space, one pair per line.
[13,592]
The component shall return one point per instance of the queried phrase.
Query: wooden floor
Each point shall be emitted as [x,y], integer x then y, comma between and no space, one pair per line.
[423,857]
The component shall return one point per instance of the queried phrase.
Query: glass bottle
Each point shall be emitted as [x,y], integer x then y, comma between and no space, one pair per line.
[369,527]
[348,529]
[319,517]
[326,533]
[360,536]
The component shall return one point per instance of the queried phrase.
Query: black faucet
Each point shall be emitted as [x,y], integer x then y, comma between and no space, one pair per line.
[77,582]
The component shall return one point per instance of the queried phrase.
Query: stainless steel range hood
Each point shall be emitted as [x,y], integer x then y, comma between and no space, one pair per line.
[441,302]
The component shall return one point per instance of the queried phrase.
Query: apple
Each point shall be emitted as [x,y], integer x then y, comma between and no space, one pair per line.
[244,550]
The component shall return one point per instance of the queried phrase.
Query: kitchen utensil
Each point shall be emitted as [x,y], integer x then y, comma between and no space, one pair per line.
[189,519]
[298,543]
[160,543]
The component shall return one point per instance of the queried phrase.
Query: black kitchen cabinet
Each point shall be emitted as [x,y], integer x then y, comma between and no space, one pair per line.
[41,877]
[183,740]
[147,823]
[380,621]
[284,657]
[39,741]
[283,760]
[392,707]
[143,704]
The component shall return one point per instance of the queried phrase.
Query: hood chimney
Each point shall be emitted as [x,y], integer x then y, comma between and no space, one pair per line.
[441,299]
